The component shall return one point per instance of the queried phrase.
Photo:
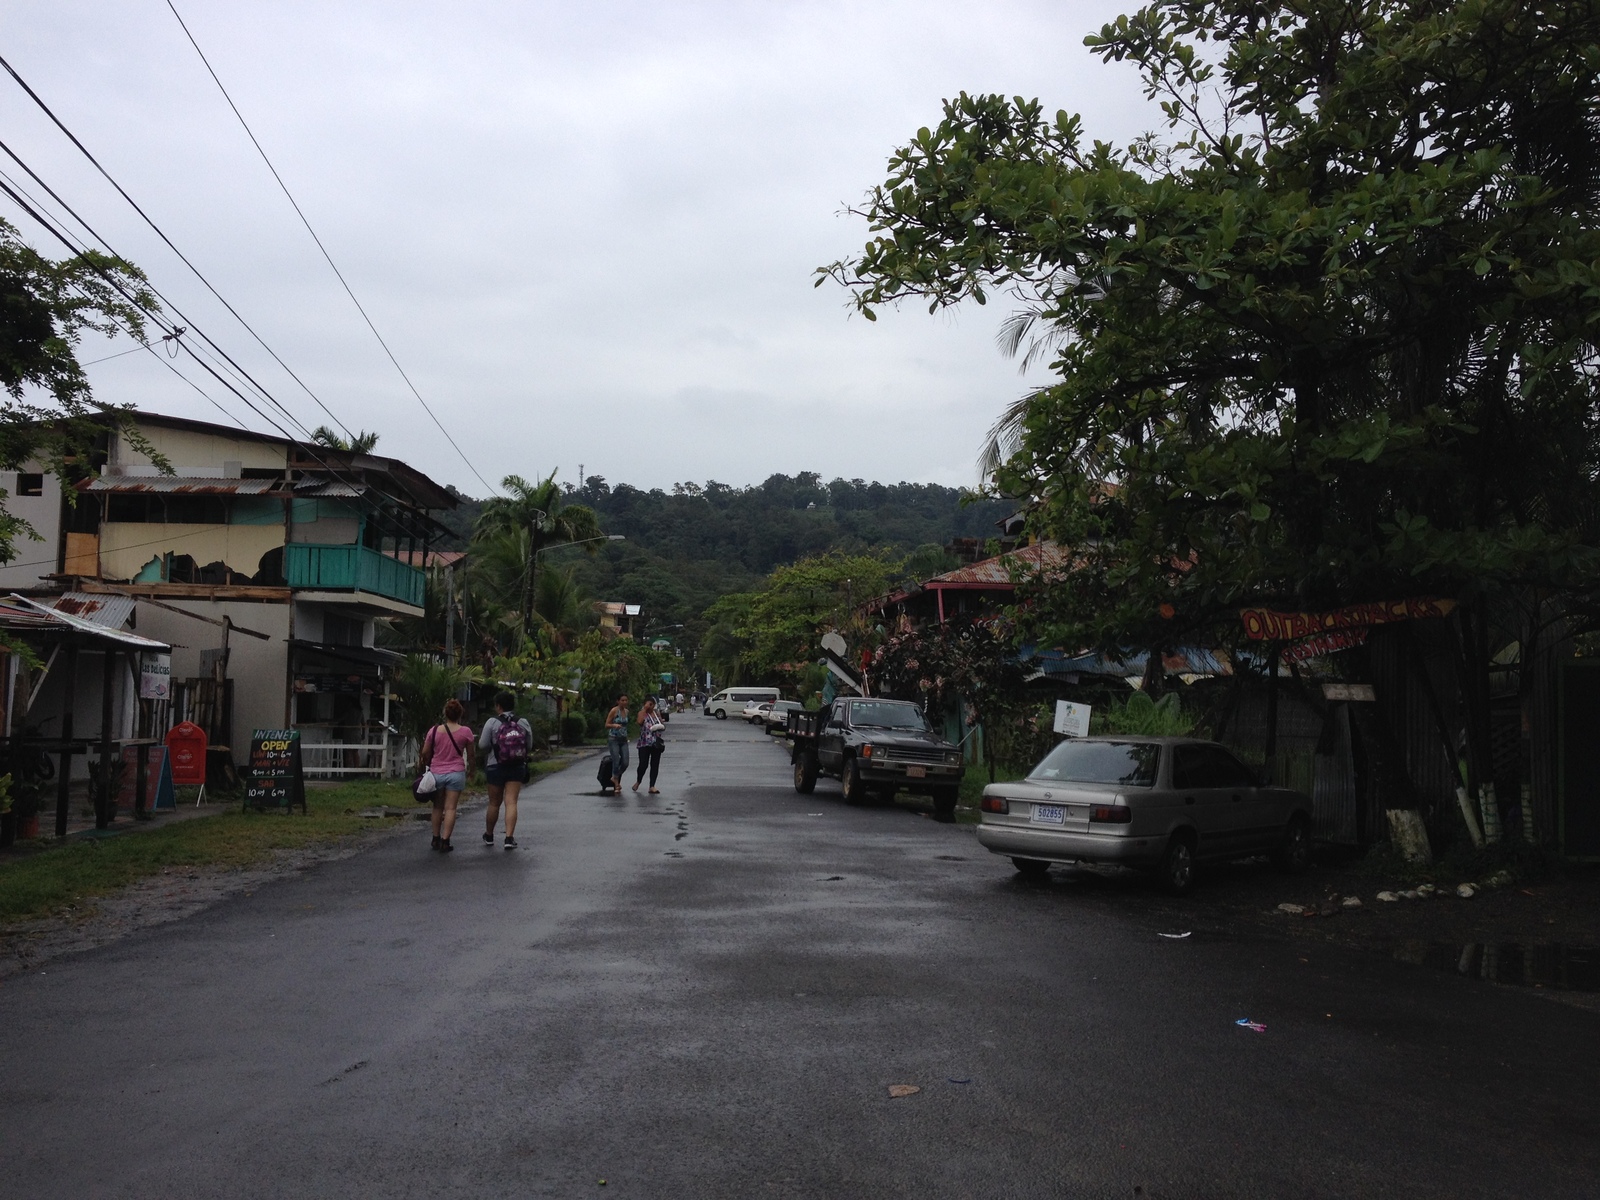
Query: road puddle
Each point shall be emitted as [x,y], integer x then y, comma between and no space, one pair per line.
[1556,966]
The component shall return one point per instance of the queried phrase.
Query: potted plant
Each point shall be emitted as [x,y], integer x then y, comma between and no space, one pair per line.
[27,799]
[8,815]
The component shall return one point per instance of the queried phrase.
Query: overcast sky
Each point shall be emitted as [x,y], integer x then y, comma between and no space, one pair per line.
[587,231]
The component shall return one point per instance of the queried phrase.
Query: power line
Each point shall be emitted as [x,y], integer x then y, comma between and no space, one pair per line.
[296,206]
[50,227]
[160,233]
[171,334]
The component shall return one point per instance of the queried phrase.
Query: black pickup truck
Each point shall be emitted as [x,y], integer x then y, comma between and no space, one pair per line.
[875,747]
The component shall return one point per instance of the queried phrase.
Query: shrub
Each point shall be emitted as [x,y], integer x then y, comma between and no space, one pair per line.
[573,729]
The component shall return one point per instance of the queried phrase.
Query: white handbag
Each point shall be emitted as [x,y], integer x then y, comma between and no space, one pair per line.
[427,784]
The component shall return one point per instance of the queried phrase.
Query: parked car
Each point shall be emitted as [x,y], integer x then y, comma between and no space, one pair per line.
[756,710]
[1157,803]
[733,699]
[777,717]
[875,747]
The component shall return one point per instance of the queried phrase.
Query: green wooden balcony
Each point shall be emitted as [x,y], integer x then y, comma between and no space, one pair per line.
[353,569]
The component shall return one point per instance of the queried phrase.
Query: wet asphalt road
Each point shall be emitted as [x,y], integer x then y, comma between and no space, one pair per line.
[708,993]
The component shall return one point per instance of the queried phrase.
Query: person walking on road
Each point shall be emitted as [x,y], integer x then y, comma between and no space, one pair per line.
[651,744]
[447,752]
[505,741]
[617,741]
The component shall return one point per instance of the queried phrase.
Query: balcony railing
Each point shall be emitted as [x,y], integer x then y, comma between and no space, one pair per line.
[351,568]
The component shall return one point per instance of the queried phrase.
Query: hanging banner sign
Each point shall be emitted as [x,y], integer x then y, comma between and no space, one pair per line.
[1325,643]
[1268,625]
[155,676]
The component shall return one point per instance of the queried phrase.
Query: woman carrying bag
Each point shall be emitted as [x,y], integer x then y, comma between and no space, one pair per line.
[447,756]
[651,744]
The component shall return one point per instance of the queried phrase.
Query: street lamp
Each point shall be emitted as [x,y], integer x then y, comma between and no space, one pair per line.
[605,537]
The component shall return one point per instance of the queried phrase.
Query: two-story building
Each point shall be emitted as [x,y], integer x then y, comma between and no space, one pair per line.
[265,562]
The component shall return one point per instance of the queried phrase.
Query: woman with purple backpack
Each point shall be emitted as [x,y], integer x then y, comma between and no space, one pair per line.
[506,740]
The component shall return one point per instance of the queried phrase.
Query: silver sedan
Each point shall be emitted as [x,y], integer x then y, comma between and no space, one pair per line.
[1157,803]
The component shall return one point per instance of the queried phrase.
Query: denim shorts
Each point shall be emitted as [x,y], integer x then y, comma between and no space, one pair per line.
[449,781]
[498,774]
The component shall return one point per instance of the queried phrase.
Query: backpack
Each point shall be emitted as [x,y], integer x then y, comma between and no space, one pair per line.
[510,740]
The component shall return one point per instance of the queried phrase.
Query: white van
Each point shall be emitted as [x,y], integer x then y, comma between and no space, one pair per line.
[734,699]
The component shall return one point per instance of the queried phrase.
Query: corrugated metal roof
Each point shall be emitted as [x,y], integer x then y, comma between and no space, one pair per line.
[111,611]
[181,485]
[82,625]
[997,571]
[321,486]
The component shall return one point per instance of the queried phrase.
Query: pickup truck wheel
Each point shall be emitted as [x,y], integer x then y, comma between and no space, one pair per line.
[944,805]
[1176,872]
[855,792]
[805,774]
[1293,852]
[1031,868]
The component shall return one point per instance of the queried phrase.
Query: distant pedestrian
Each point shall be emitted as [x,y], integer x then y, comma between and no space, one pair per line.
[505,740]
[447,752]
[651,744]
[617,741]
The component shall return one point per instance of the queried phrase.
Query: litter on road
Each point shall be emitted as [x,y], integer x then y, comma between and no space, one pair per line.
[1251,1025]
[953,1079]
[897,1090]
[1184,934]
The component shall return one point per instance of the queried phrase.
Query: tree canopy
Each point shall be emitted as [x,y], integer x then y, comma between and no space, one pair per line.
[1330,339]
[45,308]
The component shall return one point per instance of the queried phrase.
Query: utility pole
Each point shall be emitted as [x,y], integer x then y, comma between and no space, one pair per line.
[450,614]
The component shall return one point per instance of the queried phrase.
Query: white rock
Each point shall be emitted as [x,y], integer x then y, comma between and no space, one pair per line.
[1294,910]
[1387,896]
[1426,889]
[1411,894]
[1466,891]
[1351,902]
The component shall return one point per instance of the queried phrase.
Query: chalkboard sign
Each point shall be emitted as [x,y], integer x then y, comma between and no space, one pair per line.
[276,779]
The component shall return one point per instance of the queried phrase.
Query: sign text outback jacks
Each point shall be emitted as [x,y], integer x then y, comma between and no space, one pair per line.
[1269,625]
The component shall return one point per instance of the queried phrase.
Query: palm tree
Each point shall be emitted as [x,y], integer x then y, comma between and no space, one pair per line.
[538,514]
[361,443]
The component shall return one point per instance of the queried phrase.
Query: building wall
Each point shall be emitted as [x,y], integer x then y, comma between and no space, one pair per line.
[191,448]
[259,669]
[126,547]
[46,712]
[34,560]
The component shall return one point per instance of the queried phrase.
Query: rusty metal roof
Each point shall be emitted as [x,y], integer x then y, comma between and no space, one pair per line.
[19,612]
[180,485]
[1003,569]
[112,611]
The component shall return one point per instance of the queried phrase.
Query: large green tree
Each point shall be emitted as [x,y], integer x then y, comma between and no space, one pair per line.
[773,632]
[1330,339]
[528,520]
[48,412]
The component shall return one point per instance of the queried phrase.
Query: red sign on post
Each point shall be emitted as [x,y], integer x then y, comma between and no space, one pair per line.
[186,745]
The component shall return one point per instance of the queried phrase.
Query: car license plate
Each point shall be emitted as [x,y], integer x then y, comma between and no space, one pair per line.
[916,772]
[1049,814]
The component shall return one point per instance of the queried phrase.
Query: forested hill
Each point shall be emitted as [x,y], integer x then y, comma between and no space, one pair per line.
[687,547]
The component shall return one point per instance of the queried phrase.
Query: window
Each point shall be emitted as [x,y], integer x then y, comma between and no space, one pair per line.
[1208,767]
[339,630]
[886,714]
[1132,764]
[30,483]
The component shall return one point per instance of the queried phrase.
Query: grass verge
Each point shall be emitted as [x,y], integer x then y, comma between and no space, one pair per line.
[46,877]
[41,881]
